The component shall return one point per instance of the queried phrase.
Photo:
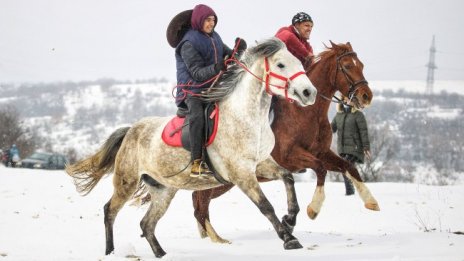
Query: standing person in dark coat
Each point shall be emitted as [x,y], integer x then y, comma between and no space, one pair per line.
[296,37]
[352,137]
[199,57]
[14,155]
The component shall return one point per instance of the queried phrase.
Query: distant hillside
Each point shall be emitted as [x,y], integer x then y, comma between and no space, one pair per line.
[409,131]
[417,135]
[81,116]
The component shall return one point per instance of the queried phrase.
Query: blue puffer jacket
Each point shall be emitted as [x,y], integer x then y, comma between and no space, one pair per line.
[196,65]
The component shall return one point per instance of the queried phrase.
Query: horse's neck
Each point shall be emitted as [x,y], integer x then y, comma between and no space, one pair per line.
[249,98]
[321,76]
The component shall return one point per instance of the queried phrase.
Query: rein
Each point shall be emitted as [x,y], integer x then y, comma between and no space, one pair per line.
[213,79]
[337,100]
[267,76]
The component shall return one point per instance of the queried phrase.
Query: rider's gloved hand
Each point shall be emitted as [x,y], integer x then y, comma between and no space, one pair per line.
[241,45]
[218,67]
[308,61]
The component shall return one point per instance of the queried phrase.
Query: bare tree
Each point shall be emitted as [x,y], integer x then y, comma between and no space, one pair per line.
[10,126]
[384,145]
[12,131]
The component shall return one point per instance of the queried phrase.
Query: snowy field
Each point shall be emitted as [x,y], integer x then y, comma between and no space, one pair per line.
[43,218]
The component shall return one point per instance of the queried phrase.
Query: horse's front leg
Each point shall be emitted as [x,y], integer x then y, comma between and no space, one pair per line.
[289,220]
[201,200]
[304,159]
[248,183]
[269,170]
[334,163]
[314,208]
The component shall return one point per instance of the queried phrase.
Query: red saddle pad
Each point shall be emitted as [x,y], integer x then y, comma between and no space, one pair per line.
[172,132]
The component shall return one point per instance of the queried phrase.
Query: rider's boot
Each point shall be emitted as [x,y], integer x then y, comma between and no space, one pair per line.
[199,168]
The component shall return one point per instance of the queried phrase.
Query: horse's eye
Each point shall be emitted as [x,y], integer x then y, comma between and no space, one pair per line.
[348,66]
[281,66]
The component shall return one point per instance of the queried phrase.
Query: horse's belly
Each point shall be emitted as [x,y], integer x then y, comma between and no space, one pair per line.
[171,166]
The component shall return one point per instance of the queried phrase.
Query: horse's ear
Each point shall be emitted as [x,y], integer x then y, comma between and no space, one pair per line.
[334,45]
[349,45]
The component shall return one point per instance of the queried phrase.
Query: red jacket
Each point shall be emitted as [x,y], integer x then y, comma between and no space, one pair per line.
[298,46]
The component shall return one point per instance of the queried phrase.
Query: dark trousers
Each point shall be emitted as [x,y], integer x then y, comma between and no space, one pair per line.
[196,126]
[348,184]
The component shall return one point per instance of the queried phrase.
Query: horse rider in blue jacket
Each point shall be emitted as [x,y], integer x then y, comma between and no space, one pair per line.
[199,57]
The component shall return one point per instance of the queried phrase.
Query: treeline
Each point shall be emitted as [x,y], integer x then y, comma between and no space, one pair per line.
[31,113]
[414,137]
[414,133]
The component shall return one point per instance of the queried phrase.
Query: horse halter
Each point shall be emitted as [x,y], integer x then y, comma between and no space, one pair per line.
[352,90]
[269,74]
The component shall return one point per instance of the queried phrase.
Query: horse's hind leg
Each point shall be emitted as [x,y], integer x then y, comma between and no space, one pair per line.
[369,201]
[201,200]
[124,188]
[335,163]
[305,159]
[161,198]
[314,208]
[249,185]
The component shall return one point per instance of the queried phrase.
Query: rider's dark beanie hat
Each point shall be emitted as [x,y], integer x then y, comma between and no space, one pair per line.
[301,17]
[199,14]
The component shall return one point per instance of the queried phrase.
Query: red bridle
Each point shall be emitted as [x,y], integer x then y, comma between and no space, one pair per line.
[287,81]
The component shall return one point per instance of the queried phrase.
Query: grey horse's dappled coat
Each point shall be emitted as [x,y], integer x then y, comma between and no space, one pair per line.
[244,139]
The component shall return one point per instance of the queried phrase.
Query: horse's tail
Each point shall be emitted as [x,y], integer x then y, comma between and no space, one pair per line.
[87,172]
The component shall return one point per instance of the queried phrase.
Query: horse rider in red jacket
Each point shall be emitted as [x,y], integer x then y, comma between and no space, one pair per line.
[296,37]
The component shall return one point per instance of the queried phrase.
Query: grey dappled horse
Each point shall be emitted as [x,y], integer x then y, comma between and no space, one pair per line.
[244,139]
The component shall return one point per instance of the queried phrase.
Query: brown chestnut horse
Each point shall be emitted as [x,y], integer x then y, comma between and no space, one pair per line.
[303,138]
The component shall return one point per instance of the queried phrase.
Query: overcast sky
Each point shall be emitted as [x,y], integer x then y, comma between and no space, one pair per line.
[58,40]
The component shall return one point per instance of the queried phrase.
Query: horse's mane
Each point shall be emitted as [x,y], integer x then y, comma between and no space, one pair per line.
[328,54]
[336,49]
[226,84]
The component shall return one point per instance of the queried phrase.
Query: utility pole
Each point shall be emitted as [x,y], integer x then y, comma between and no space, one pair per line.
[431,67]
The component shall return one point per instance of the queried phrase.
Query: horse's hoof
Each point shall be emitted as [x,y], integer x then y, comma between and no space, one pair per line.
[292,244]
[109,251]
[160,254]
[203,234]
[221,241]
[311,213]
[372,206]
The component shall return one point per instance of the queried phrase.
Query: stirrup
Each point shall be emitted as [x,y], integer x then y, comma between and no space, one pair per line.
[201,175]
[204,175]
[207,172]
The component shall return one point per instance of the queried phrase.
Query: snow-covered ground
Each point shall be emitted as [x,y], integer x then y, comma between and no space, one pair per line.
[43,218]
